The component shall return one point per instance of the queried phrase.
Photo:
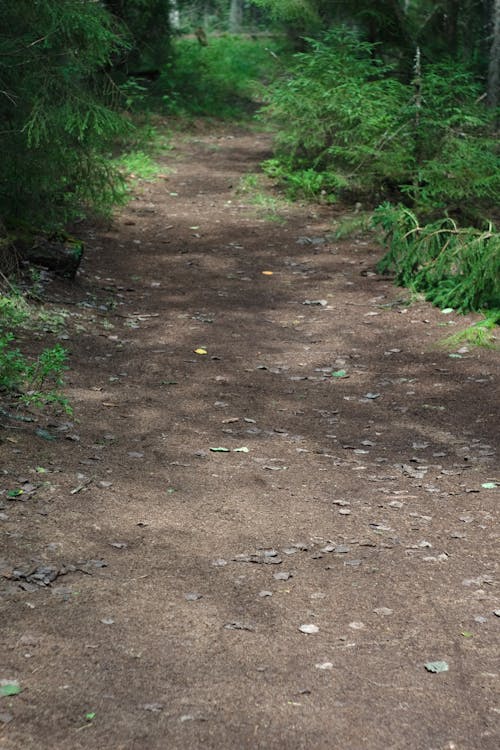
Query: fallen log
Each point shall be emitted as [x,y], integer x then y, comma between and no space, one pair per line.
[62,256]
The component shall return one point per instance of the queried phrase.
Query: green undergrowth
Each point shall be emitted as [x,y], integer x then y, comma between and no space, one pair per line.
[482,334]
[453,266]
[255,190]
[27,379]
[138,165]
[359,222]
[224,79]
[140,151]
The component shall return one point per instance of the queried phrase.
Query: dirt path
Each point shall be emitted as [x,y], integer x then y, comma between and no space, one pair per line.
[179,577]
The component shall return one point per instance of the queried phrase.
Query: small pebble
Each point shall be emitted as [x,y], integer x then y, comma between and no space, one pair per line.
[282,576]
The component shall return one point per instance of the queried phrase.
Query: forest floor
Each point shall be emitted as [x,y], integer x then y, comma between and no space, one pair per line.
[158,592]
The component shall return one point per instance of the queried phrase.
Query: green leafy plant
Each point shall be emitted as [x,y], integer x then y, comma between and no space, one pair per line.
[35,380]
[138,165]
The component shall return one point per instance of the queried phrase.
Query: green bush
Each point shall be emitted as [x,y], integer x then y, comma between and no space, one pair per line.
[454,267]
[339,112]
[342,113]
[219,80]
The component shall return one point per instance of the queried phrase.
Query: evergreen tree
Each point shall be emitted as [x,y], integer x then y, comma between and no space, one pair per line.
[55,122]
[148,23]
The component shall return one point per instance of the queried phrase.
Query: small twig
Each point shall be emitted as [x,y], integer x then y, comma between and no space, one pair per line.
[81,486]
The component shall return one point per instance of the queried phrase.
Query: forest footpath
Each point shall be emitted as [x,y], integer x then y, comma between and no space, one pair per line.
[271,521]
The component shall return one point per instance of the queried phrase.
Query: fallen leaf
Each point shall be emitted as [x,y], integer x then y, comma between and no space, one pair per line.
[9,687]
[200,350]
[220,449]
[489,485]
[309,628]
[340,374]
[44,434]
[235,625]
[243,449]
[437,666]
[267,273]
[12,494]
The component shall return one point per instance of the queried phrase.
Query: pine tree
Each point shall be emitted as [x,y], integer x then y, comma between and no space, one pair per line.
[55,114]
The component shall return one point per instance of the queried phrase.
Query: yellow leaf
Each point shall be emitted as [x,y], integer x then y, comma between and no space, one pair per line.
[200,351]
[267,273]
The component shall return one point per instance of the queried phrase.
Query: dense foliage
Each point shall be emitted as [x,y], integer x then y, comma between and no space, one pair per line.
[346,124]
[219,79]
[54,124]
[148,30]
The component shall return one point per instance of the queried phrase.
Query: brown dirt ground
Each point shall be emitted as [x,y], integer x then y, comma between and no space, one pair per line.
[374,506]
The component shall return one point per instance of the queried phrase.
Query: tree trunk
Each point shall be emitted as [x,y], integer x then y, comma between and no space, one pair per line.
[494,63]
[235,16]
